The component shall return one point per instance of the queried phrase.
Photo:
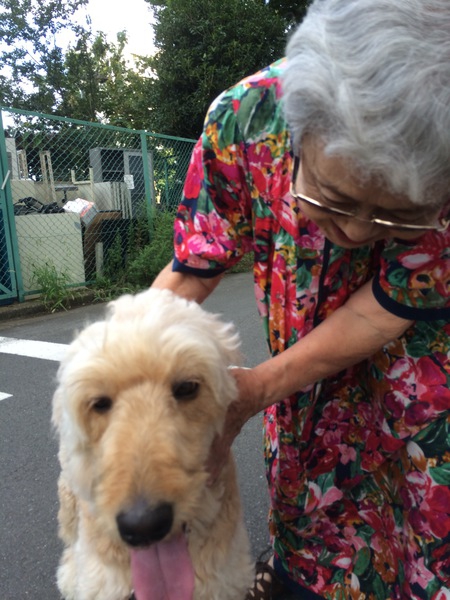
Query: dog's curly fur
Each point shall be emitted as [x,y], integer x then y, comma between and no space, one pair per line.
[124,434]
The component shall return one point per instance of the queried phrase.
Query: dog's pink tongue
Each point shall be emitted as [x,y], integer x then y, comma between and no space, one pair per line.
[163,571]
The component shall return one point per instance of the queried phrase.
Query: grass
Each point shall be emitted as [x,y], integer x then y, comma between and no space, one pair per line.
[53,285]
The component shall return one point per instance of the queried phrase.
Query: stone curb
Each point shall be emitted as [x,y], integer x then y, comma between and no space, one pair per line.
[32,308]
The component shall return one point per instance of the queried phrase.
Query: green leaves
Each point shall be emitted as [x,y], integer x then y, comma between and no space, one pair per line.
[99,84]
[204,47]
[292,11]
[30,54]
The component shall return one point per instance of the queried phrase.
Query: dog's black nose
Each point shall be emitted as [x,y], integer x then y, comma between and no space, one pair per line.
[142,524]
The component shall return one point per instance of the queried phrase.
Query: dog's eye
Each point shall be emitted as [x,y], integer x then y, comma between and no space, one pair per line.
[102,404]
[185,390]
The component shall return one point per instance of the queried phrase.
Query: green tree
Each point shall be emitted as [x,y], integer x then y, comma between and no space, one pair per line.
[84,78]
[79,74]
[100,84]
[292,11]
[31,58]
[203,46]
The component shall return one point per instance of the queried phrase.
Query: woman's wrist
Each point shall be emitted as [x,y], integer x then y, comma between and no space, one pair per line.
[251,391]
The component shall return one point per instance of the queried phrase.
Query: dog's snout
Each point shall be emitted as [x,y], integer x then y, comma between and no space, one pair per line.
[142,524]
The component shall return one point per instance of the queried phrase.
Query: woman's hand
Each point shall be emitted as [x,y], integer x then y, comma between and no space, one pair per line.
[239,412]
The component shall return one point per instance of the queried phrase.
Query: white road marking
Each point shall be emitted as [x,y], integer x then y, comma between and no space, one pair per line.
[33,348]
[3,396]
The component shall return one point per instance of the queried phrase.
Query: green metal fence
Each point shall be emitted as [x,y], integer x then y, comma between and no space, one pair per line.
[70,190]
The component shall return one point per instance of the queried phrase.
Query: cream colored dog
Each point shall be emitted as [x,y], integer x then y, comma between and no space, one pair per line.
[141,397]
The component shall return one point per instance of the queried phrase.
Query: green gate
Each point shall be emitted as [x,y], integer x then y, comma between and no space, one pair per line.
[9,265]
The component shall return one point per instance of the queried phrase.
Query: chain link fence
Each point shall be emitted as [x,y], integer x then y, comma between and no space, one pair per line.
[81,195]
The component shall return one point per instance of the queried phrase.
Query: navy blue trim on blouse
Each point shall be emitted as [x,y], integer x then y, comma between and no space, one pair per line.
[323,274]
[179,267]
[299,591]
[407,312]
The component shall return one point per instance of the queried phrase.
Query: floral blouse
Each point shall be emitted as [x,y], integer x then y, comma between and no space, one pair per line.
[359,464]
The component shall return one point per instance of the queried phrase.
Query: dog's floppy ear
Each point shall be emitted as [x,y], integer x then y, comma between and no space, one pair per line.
[79,353]
[57,409]
[226,336]
[119,305]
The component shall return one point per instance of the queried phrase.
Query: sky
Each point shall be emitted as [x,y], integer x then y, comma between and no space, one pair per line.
[111,16]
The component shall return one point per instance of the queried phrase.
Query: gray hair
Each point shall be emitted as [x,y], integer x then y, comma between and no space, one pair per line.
[371,79]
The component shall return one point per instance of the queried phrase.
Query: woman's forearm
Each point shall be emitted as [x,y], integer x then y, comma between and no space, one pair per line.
[353,333]
[186,285]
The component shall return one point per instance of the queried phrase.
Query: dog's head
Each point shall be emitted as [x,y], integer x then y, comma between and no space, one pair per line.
[141,396]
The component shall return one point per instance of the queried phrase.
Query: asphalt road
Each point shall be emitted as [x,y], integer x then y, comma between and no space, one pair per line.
[29,547]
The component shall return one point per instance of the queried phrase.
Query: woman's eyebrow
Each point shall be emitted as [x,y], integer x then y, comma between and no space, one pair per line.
[332,188]
[396,210]
[329,186]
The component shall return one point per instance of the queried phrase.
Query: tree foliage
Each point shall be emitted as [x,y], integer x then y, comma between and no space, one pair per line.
[203,47]
[292,11]
[100,84]
[32,59]
[88,78]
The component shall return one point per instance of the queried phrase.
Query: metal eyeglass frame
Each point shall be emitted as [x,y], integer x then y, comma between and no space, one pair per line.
[441,226]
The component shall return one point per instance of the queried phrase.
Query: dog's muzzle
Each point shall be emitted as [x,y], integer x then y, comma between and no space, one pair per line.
[142,524]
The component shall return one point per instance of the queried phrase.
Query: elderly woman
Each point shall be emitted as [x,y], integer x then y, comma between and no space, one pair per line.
[333,167]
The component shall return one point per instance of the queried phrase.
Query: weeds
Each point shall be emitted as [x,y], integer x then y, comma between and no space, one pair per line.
[53,286]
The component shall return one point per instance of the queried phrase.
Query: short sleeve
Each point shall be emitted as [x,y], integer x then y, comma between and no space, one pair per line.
[413,280]
[213,225]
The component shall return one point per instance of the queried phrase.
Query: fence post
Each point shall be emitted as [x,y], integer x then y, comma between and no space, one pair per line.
[148,177]
[10,223]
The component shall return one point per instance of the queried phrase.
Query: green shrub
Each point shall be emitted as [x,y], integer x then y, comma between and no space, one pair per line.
[114,267]
[149,248]
[244,265]
[152,258]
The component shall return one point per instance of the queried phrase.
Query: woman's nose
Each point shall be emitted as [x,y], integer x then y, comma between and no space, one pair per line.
[359,231]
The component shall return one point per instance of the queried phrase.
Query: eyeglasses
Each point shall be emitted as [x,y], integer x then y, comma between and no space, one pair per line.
[441,225]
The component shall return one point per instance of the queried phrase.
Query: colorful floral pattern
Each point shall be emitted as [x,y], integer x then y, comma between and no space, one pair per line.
[359,464]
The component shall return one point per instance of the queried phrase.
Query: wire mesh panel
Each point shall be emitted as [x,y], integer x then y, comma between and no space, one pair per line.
[171,161]
[80,190]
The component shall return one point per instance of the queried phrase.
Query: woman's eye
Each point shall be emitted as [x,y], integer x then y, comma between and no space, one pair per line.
[331,201]
[407,218]
[185,390]
[337,203]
